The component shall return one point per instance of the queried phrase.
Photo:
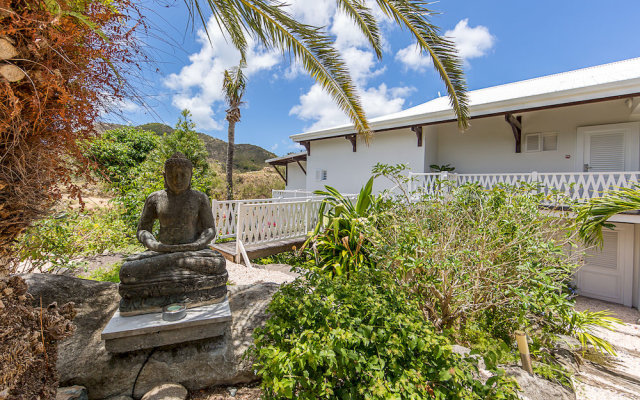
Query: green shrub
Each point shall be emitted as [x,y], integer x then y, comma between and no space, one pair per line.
[118,151]
[53,242]
[360,338]
[107,274]
[488,256]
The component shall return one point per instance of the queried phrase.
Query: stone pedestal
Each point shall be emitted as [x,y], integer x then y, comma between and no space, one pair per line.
[125,334]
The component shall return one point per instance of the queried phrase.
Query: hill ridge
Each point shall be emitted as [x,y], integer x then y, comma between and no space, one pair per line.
[247,157]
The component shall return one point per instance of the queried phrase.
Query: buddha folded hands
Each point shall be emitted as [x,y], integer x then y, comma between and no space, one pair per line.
[178,266]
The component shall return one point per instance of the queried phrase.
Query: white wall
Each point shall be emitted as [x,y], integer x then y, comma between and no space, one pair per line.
[348,171]
[296,179]
[488,146]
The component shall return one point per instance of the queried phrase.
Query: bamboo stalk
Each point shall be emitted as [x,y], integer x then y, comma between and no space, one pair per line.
[523,348]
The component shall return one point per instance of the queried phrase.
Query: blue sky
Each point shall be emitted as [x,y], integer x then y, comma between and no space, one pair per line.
[500,41]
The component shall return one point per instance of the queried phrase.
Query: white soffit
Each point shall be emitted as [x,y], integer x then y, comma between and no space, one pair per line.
[601,81]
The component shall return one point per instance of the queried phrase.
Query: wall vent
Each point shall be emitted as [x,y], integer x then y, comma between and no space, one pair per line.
[535,142]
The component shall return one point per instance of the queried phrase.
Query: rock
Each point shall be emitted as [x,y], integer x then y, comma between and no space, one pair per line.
[120,397]
[7,50]
[166,391]
[72,393]
[84,360]
[11,72]
[537,388]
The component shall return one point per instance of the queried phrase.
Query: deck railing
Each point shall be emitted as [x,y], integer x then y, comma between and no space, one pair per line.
[579,186]
[290,193]
[269,222]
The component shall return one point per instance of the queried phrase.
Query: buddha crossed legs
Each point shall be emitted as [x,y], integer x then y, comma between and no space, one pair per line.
[178,266]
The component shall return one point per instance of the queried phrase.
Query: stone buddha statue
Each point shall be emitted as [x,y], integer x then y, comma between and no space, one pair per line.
[178,266]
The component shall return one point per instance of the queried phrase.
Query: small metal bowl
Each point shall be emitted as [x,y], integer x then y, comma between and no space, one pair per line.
[174,312]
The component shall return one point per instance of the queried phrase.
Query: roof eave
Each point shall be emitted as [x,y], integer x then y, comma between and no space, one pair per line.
[559,98]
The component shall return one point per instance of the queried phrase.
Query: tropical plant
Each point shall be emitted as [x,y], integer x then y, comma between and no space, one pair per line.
[442,168]
[582,324]
[233,86]
[338,241]
[269,22]
[593,215]
[360,338]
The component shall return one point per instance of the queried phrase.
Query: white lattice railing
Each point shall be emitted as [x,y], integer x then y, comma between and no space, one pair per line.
[269,222]
[225,212]
[577,185]
[290,193]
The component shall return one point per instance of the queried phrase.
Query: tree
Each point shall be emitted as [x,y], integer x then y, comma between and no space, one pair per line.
[62,64]
[233,86]
[120,150]
[312,47]
[185,140]
[147,177]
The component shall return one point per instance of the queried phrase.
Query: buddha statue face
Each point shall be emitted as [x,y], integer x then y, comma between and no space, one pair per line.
[177,173]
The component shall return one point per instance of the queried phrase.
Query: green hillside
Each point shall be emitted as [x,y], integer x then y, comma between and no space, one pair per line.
[247,157]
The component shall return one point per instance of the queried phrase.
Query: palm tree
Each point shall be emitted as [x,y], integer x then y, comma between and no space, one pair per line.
[272,26]
[594,214]
[233,87]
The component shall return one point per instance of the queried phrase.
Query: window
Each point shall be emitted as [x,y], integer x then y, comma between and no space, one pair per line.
[321,175]
[541,142]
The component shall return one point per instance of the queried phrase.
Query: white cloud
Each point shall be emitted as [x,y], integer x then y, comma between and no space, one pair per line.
[316,105]
[471,42]
[274,147]
[412,59]
[199,84]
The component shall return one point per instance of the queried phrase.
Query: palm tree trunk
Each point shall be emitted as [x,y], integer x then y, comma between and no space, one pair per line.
[230,148]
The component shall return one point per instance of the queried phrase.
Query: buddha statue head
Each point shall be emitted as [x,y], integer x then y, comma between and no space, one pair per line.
[177,173]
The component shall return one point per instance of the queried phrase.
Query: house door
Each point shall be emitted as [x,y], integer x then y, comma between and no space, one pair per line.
[608,148]
[607,273]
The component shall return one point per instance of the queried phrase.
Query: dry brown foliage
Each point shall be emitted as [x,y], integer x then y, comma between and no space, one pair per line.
[28,342]
[72,56]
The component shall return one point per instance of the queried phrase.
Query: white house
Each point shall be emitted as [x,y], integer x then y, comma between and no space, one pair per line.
[578,127]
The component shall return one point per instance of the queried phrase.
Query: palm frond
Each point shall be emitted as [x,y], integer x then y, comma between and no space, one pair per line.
[362,17]
[594,214]
[411,14]
[312,47]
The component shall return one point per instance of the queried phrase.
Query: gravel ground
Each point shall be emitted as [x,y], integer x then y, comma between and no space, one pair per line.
[620,378]
[242,275]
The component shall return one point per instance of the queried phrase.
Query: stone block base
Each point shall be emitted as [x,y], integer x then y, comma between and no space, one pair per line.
[124,334]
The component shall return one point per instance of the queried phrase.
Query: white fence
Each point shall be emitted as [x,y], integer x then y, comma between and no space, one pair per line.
[578,186]
[290,193]
[269,222]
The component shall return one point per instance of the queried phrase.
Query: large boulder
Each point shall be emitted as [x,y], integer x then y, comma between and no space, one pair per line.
[83,359]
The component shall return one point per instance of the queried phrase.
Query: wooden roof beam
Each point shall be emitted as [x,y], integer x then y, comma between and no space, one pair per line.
[516,127]
[353,140]
[301,167]
[418,131]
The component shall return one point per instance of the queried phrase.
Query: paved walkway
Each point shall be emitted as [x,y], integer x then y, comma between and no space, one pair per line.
[619,377]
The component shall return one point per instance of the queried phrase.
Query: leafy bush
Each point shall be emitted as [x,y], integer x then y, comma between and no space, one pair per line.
[54,242]
[360,338]
[493,257]
[118,151]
